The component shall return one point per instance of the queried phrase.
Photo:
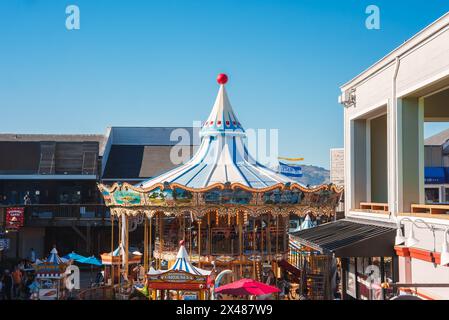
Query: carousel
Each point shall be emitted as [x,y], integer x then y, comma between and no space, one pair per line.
[50,277]
[231,211]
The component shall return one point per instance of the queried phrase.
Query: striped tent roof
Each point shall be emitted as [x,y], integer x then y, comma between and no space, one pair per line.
[307,223]
[182,263]
[222,157]
[54,258]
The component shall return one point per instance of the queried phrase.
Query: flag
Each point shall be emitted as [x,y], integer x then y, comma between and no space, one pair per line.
[290,170]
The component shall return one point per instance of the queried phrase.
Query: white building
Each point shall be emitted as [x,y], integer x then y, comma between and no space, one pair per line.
[386,107]
[337,166]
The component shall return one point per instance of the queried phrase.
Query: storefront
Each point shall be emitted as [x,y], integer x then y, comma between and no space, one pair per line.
[359,258]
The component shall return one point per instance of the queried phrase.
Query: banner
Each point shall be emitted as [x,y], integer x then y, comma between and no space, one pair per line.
[290,170]
[14,218]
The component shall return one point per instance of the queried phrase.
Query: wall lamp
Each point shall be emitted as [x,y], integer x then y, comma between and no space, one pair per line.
[411,240]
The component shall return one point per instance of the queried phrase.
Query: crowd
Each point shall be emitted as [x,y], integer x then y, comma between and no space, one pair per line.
[15,284]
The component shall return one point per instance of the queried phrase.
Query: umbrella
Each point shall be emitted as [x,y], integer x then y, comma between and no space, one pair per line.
[90,260]
[246,287]
[74,256]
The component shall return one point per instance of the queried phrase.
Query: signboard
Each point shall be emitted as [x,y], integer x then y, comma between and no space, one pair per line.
[48,294]
[190,296]
[14,218]
[290,170]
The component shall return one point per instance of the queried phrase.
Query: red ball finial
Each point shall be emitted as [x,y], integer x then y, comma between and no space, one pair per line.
[181,243]
[222,78]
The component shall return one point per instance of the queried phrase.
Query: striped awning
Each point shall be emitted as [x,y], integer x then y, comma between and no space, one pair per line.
[182,263]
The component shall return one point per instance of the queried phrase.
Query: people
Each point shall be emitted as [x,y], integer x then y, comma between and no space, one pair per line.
[7,285]
[27,199]
[17,281]
[32,256]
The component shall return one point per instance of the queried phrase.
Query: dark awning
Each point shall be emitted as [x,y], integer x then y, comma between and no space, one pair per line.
[346,238]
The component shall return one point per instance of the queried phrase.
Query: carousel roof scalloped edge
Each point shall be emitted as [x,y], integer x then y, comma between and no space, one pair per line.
[234,168]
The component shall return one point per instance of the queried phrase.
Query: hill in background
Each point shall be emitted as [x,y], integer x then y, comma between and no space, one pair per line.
[313,175]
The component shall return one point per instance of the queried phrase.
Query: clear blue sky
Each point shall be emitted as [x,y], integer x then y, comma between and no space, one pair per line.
[154,63]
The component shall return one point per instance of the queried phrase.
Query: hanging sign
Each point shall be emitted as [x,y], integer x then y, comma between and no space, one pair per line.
[290,170]
[14,218]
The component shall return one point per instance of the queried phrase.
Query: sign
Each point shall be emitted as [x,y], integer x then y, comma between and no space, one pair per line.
[14,218]
[4,244]
[290,170]
[48,294]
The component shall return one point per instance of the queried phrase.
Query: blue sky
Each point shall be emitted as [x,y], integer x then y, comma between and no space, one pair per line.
[154,63]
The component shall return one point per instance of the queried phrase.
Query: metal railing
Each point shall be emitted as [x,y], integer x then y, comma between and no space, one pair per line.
[98,293]
[45,212]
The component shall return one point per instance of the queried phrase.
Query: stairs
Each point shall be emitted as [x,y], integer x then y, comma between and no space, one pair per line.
[286,266]
[47,159]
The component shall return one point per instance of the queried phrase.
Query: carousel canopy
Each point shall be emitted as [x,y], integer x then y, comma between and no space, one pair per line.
[307,223]
[222,156]
[182,264]
[54,258]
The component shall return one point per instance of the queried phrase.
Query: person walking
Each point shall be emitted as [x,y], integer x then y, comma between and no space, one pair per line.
[32,256]
[17,281]
[7,285]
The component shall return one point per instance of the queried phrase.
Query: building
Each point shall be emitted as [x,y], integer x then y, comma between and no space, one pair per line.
[436,171]
[53,179]
[337,166]
[385,108]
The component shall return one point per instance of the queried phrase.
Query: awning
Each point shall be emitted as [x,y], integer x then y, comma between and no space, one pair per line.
[434,175]
[347,238]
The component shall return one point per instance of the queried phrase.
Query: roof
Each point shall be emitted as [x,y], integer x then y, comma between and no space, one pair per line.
[346,238]
[182,263]
[18,137]
[35,157]
[222,156]
[139,162]
[437,139]
[411,43]
[139,153]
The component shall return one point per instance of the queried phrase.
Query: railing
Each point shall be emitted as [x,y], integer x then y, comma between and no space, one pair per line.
[99,293]
[225,241]
[45,212]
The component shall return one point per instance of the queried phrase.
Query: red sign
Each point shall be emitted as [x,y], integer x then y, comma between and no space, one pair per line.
[14,218]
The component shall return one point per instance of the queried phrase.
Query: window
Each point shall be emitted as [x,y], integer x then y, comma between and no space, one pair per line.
[432,195]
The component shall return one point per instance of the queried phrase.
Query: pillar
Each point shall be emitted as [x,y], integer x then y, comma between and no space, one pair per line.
[410,155]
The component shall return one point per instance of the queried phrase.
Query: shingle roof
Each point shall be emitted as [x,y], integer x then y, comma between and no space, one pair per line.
[437,139]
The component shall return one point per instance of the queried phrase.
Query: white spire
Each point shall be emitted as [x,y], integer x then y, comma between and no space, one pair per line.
[222,119]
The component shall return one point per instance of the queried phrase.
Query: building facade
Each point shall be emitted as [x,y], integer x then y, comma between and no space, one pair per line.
[51,180]
[385,108]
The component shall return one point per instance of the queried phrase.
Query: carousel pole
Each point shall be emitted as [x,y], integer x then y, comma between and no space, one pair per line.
[254,248]
[151,239]
[112,250]
[241,221]
[199,243]
[120,234]
[127,247]
[145,244]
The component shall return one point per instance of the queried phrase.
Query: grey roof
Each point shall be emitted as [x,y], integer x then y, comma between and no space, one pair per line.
[18,137]
[152,136]
[126,162]
[346,238]
[437,139]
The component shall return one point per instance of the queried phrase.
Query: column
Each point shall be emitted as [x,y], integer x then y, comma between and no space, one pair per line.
[410,155]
